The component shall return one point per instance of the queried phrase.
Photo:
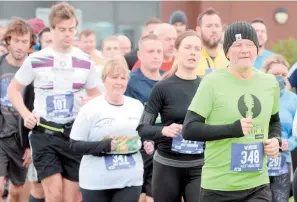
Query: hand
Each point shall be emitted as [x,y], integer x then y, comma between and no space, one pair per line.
[172,131]
[113,145]
[271,147]
[149,147]
[246,125]
[31,120]
[285,145]
[27,158]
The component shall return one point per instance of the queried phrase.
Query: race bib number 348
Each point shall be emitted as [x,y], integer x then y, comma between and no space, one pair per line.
[247,157]
[60,106]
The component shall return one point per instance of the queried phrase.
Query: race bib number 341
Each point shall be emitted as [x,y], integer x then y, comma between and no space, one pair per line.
[247,157]
[118,162]
[60,106]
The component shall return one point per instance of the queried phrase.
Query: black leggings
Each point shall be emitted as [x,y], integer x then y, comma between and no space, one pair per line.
[129,194]
[280,187]
[172,183]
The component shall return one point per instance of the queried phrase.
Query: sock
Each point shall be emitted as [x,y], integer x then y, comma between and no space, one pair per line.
[33,199]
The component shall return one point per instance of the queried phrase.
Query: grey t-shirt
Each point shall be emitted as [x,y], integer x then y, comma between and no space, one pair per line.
[9,116]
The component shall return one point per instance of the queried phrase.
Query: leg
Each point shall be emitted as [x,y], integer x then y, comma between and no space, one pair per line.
[130,194]
[47,165]
[169,189]
[96,195]
[16,193]
[294,185]
[70,164]
[17,173]
[192,184]
[70,190]
[53,188]
[147,183]
[1,187]
[36,192]
[280,188]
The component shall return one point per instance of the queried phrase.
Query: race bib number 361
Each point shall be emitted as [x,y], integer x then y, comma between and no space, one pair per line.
[186,147]
[60,106]
[247,157]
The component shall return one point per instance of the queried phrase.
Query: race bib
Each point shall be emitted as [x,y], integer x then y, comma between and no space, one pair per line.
[118,162]
[247,157]
[186,146]
[277,166]
[60,106]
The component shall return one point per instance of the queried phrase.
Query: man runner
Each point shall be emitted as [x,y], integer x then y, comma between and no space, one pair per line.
[59,73]
[235,110]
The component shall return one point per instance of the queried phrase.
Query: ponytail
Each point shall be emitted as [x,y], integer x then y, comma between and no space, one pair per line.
[172,71]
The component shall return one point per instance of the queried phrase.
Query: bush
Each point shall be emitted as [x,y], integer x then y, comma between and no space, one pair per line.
[286,48]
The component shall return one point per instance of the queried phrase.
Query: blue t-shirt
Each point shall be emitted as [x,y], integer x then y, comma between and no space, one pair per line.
[139,86]
[288,107]
[261,59]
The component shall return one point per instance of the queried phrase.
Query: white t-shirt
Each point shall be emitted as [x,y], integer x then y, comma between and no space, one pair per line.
[59,81]
[97,119]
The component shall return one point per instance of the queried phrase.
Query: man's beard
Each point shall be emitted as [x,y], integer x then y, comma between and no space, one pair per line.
[18,57]
[210,43]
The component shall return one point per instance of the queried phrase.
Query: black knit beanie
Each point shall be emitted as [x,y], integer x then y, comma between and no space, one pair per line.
[237,31]
[178,16]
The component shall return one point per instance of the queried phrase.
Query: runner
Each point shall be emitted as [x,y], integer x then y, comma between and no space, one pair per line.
[59,74]
[125,44]
[167,34]
[140,85]
[279,168]
[179,20]
[177,163]
[263,54]
[209,26]
[111,169]
[235,110]
[148,28]
[45,38]
[14,146]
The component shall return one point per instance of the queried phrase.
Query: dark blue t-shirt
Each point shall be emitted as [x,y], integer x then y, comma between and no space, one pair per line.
[139,86]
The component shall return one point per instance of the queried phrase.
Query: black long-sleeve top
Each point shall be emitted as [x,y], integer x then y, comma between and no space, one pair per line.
[170,98]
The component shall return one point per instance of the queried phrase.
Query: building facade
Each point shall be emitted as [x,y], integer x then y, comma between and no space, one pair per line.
[127,17]
[231,11]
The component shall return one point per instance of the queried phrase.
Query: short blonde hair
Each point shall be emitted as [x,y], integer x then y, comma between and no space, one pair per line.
[275,59]
[115,65]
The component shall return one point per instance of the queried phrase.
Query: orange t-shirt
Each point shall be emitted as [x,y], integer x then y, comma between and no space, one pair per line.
[166,66]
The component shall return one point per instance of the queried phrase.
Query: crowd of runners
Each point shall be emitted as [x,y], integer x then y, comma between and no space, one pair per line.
[190,115]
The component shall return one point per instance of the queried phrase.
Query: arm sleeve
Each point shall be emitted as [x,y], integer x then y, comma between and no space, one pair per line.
[90,148]
[195,129]
[25,75]
[146,127]
[275,129]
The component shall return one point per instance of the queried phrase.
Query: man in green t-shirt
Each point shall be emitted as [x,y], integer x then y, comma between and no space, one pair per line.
[235,111]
